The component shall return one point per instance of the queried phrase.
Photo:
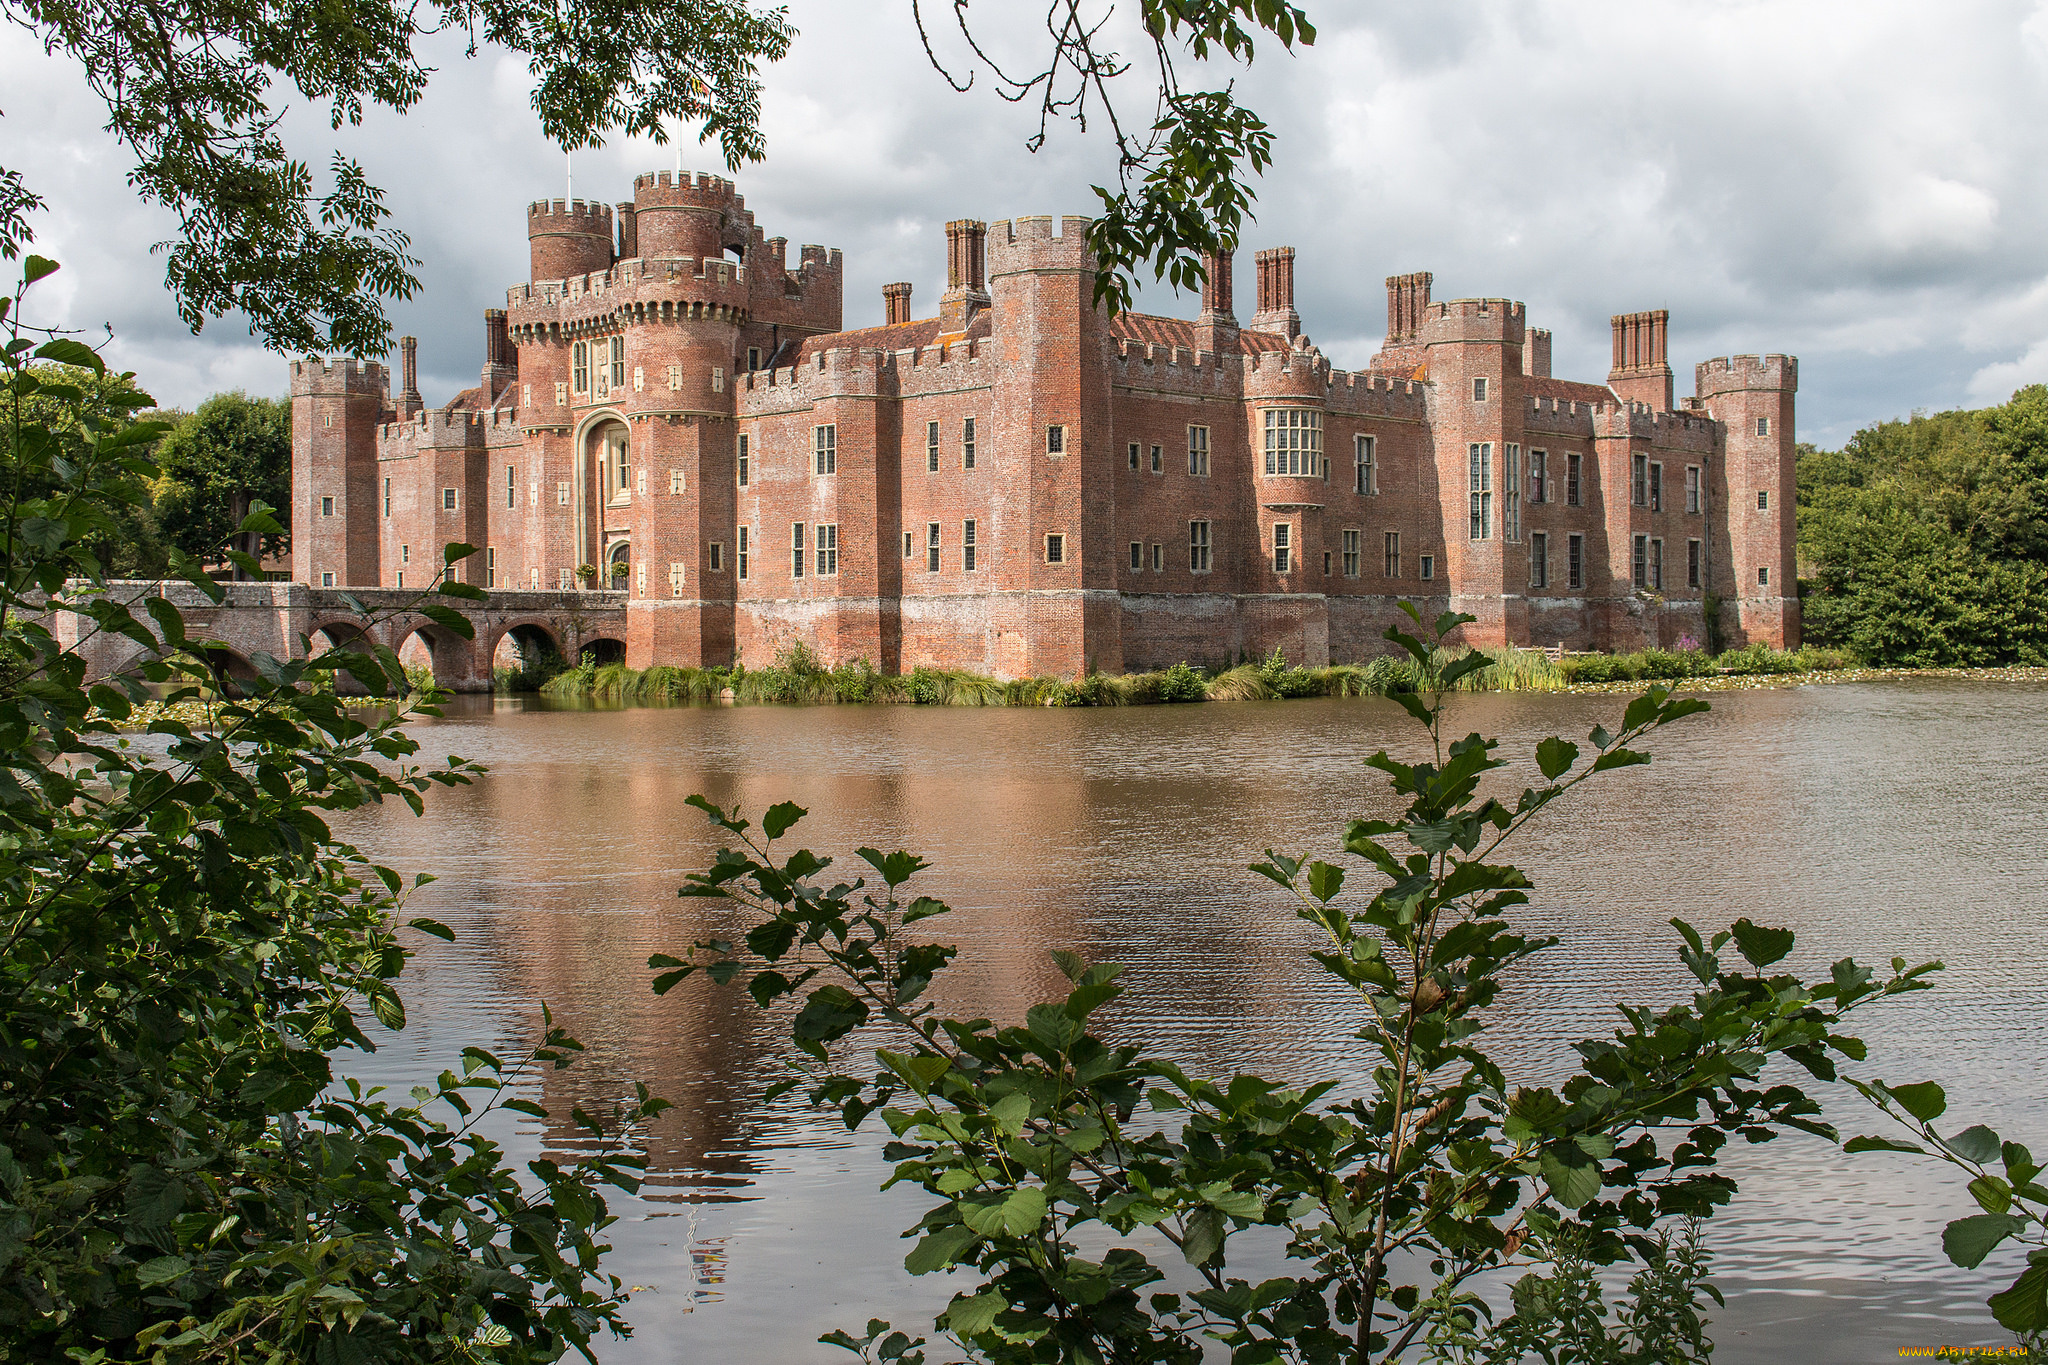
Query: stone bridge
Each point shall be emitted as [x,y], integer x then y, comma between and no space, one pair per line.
[281,619]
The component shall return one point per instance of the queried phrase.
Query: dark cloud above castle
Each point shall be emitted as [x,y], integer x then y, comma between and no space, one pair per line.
[1855,182]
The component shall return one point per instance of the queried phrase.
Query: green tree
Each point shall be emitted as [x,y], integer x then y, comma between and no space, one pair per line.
[197,90]
[1926,540]
[187,956]
[231,453]
[69,401]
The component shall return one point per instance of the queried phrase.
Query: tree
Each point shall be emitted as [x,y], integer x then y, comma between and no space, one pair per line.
[197,91]
[233,452]
[70,399]
[1927,540]
[188,954]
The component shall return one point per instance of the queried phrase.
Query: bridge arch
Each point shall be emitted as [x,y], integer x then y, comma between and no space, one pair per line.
[602,650]
[452,658]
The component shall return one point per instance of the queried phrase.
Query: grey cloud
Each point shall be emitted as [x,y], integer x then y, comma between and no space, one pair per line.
[1847,180]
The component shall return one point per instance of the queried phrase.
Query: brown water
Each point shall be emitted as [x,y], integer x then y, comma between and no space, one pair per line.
[1894,818]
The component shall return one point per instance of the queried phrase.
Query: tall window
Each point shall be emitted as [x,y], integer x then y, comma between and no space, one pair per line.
[1198,452]
[491,567]
[1640,572]
[1198,546]
[967,545]
[387,497]
[1692,564]
[931,447]
[1511,489]
[1391,566]
[1539,476]
[1158,557]
[1657,487]
[1571,479]
[796,550]
[931,547]
[1056,549]
[827,535]
[1366,471]
[1539,559]
[1763,499]
[511,485]
[579,367]
[743,552]
[1639,481]
[1575,561]
[717,557]
[909,544]
[327,507]
[825,449]
[1137,555]
[622,466]
[447,500]
[1294,442]
[753,357]
[1657,565]
[1426,567]
[1692,489]
[1351,554]
[618,351]
[1134,454]
[967,443]
[744,462]
[1480,457]
[1763,426]
[1283,547]
[1158,460]
[1056,441]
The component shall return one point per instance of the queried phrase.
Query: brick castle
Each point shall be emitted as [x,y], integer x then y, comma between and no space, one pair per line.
[1025,485]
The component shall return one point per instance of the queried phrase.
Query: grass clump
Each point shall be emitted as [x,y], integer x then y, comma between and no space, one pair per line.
[1661,665]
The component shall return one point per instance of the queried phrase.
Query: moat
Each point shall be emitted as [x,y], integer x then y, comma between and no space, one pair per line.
[1897,817]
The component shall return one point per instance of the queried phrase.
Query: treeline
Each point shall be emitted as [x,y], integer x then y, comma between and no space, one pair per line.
[1924,542]
[213,465]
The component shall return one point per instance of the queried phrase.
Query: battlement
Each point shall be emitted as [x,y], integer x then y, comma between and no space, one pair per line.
[1730,374]
[813,259]
[678,187]
[1474,320]
[323,374]
[568,215]
[1031,243]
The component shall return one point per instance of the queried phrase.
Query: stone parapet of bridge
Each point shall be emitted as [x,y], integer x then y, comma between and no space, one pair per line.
[284,620]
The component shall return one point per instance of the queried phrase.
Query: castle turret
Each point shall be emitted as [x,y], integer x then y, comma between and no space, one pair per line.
[676,216]
[568,237]
[1473,350]
[1754,568]
[336,408]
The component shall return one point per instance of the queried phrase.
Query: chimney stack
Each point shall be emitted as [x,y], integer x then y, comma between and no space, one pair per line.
[409,401]
[1216,300]
[966,275]
[1536,353]
[1407,298]
[1641,374]
[896,302]
[501,362]
[629,232]
[1276,294]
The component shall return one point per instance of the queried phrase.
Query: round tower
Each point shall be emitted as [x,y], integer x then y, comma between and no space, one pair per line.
[568,237]
[676,216]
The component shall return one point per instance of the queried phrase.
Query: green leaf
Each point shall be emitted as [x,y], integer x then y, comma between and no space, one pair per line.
[940,1249]
[448,619]
[970,1317]
[780,817]
[1555,757]
[161,1270]
[36,267]
[1324,881]
[432,926]
[456,550]
[1010,1113]
[1924,1100]
[66,351]
[1969,1240]
[1573,1176]
[1759,945]
[1204,1236]
[2023,1306]
[1880,1144]
[1018,1213]
[1978,1145]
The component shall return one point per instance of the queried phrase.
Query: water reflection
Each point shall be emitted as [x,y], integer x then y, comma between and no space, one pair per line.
[1880,819]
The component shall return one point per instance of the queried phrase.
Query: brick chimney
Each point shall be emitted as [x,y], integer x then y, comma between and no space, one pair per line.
[966,275]
[896,303]
[1536,353]
[1407,301]
[1276,294]
[501,360]
[409,401]
[1641,374]
[1216,292]
[629,232]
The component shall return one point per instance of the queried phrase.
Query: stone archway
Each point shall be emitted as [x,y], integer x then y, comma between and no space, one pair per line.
[452,658]
[351,636]
[602,650]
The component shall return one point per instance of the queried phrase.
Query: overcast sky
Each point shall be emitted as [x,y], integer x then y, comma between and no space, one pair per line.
[1858,183]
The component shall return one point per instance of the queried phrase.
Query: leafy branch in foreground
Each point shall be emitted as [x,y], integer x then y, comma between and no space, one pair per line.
[1183,173]
[1064,1160]
[186,948]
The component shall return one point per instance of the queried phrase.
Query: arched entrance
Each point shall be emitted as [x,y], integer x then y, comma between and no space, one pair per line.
[603,650]
[604,482]
[525,657]
[618,568]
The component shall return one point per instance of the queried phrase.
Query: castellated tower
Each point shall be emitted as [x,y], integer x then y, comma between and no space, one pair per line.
[1473,348]
[1755,568]
[336,408]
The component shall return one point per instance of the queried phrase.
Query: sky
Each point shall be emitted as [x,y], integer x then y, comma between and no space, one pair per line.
[1857,183]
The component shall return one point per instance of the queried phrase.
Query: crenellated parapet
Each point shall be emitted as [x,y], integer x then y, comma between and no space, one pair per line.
[324,375]
[1469,320]
[1039,242]
[1298,372]
[1731,374]
[1364,393]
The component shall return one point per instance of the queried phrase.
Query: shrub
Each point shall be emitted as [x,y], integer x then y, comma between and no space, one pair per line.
[1182,684]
